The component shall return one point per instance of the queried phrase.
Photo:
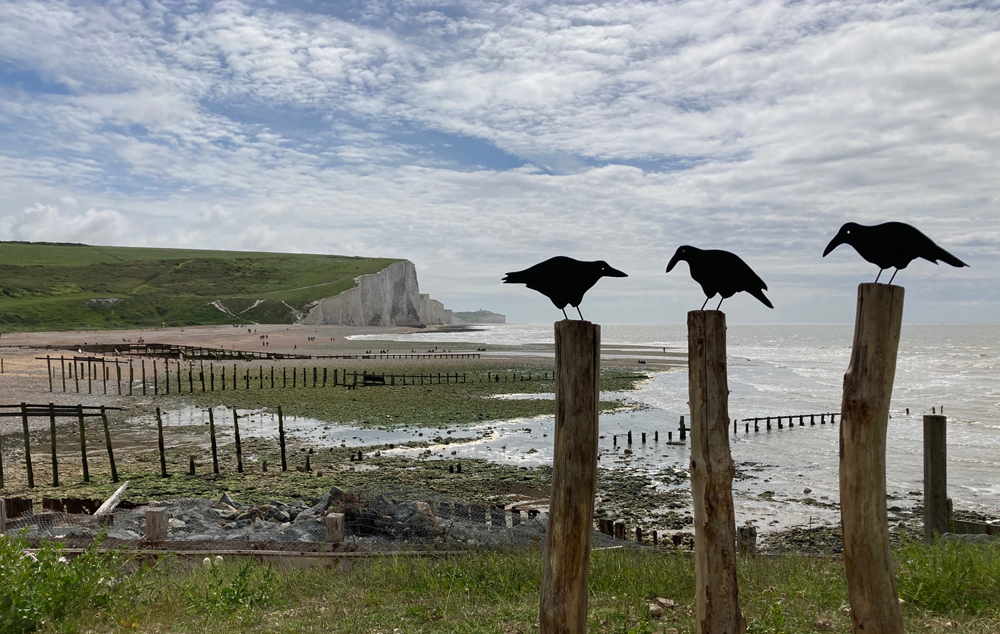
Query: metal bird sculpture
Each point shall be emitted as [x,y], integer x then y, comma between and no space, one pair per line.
[890,245]
[563,280]
[720,272]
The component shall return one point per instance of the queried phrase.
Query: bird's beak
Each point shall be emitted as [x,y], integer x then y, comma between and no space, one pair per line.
[836,242]
[611,272]
[673,262]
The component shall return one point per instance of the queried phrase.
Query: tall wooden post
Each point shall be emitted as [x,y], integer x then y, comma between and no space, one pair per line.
[107,441]
[131,377]
[159,443]
[143,361]
[52,438]
[166,375]
[156,379]
[118,376]
[566,563]
[27,446]
[215,447]
[62,365]
[48,366]
[239,445]
[281,438]
[83,444]
[717,604]
[935,477]
[871,584]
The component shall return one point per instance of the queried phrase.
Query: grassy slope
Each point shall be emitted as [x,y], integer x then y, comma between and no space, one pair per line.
[47,286]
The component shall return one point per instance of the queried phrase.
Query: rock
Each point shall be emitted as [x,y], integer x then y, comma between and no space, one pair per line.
[228,501]
[336,493]
[895,509]
[655,610]
[278,515]
[807,490]
[322,503]
[176,523]
[667,603]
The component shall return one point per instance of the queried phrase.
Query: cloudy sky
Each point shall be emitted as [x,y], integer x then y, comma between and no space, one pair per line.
[475,138]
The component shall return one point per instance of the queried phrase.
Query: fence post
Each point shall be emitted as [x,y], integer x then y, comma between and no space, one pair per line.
[871,584]
[156,525]
[62,366]
[118,376]
[156,379]
[746,540]
[159,442]
[281,439]
[935,476]
[52,436]
[166,376]
[48,366]
[83,445]
[717,604]
[107,441]
[27,446]
[565,566]
[334,528]
[239,445]
[215,448]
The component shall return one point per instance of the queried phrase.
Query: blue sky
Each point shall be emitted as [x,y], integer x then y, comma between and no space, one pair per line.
[475,138]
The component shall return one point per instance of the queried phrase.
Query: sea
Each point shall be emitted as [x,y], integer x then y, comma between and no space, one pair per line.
[787,477]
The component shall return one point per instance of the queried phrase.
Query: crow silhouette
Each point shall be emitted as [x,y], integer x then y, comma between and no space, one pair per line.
[720,272]
[890,245]
[563,280]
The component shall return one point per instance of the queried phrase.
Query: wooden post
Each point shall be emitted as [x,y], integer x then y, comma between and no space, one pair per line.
[83,444]
[566,562]
[131,377]
[27,446]
[178,373]
[76,375]
[717,605]
[143,362]
[871,584]
[48,367]
[284,377]
[260,375]
[166,375]
[215,447]
[272,376]
[107,441]
[746,540]
[104,376]
[935,477]
[156,379]
[281,438]
[52,437]
[62,366]
[159,442]
[190,376]
[324,377]
[90,377]
[211,377]
[118,376]
[223,377]
[334,528]
[156,525]
[239,445]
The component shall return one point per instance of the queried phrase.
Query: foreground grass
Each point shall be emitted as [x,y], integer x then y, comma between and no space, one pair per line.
[945,587]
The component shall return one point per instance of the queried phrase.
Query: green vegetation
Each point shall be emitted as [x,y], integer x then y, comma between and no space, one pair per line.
[481,591]
[66,287]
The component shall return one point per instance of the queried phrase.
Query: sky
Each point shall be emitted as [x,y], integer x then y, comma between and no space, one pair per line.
[475,138]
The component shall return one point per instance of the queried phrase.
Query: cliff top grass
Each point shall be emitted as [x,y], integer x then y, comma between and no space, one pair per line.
[46,286]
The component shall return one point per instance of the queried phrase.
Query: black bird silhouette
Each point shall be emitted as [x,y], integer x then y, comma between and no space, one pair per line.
[720,272]
[890,245]
[563,280]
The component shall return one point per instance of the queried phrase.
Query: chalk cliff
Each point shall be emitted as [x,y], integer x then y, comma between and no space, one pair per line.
[390,297]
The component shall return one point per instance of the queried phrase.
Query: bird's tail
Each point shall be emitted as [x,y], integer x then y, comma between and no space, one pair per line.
[948,258]
[517,277]
[759,294]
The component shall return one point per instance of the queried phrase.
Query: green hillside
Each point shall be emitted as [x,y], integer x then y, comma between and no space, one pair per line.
[45,286]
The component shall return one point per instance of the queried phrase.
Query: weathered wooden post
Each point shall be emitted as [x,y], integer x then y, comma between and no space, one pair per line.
[52,437]
[935,477]
[107,441]
[166,375]
[215,447]
[143,362]
[27,446]
[62,366]
[717,604]
[157,525]
[281,439]
[239,445]
[334,523]
[156,379]
[118,376]
[746,540]
[48,367]
[566,563]
[83,444]
[159,442]
[871,584]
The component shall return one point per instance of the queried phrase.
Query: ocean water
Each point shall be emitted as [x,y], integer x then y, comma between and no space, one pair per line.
[783,370]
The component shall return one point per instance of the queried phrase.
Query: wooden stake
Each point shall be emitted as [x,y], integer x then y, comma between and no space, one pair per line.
[131,377]
[83,444]
[871,584]
[118,377]
[159,442]
[717,605]
[62,366]
[935,477]
[27,446]
[107,441]
[156,379]
[190,376]
[281,439]
[48,366]
[52,437]
[166,374]
[215,448]
[157,525]
[239,445]
[566,562]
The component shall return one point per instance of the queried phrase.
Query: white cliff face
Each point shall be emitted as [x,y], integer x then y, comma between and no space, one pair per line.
[390,297]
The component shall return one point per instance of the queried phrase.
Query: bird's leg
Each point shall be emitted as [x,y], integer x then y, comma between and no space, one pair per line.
[893,276]
[720,304]
[879,275]
[703,305]
[564,314]
[581,314]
